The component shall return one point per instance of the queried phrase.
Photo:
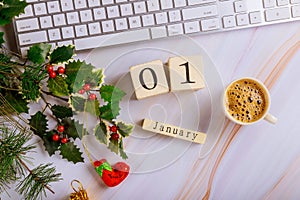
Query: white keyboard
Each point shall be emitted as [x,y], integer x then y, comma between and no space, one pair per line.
[87,23]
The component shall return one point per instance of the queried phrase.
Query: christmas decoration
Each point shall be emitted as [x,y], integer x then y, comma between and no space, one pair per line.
[78,194]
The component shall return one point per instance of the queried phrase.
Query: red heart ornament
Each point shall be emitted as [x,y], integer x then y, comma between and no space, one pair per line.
[112,175]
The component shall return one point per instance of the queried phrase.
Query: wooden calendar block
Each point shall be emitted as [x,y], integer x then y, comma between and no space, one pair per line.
[149,79]
[174,131]
[186,73]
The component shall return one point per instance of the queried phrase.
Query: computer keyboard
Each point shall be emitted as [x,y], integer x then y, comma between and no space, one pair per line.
[88,23]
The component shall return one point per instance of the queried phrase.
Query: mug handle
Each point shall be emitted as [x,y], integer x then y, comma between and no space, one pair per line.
[270,118]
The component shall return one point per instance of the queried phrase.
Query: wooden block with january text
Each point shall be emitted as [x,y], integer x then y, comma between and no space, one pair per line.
[186,73]
[149,79]
[174,131]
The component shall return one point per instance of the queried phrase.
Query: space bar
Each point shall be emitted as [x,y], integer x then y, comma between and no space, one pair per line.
[112,39]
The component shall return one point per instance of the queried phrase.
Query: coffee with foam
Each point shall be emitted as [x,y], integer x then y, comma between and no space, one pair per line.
[246,100]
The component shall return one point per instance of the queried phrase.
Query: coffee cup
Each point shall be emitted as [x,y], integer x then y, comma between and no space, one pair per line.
[247,101]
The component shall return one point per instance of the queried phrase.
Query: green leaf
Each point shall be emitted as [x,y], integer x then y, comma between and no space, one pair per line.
[70,128]
[109,112]
[101,132]
[110,93]
[113,146]
[71,152]
[10,9]
[50,145]
[77,74]
[103,166]
[95,79]
[77,103]
[61,54]
[38,124]
[61,111]
[58,86]
[121,149]
[125,129]
[38,53]
[17,102]
[81,131]
[80,104]
[1,38]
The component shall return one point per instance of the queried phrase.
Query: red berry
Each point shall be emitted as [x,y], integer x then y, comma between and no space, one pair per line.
[50,68]
[61,70]
[60,128]
[82,91]
[52,74]
[114,136]
[86,87]
[64,140]
[92,96]
[55,137]
[113,129]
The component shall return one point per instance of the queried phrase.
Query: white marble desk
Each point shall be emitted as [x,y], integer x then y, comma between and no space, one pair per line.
[261,161]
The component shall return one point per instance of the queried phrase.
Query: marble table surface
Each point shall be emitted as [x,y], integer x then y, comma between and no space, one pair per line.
[261,161]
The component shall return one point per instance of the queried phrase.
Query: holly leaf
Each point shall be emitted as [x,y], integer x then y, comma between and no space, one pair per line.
[1,38]
[61,54]
[95,79]
[71,152]
[113,146]
[10,9]
[81,131]
[109,111]
[77,103]
[101,132]
[61,111]
[38,53]
[110,93]
[38,124]
[125,129]
[77,74]
[70,128]
[80,104]
[121,150]
[50,145]
[58,86]
[15,101]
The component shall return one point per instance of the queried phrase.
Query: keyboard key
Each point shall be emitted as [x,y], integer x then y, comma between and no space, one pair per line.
[166,4]
[99,13]
[81,30]
[93,3]
[139,7]
[126,9]
[191,27]
[28,12]
[255,17]
[179,3]
[158,32]
[282,2]
[295,1]
[80,4]
[174,15]
[199,12]
[161,18]
[121,1]
[27,24]
[152,5]
[94,28]
[175,29]
[112,12]
[210,24]
[112,39]
[296,11]
[59,20]
[32,38]
[54,34]
[195,2]
[53,7]
[135,22]
[269,3]
[242,19]
[240,6]
[107,26]
[72,18]
[277,14]
[65,43]
[148,20]
[66,5]
[67,32]
[229,21]
[46,22]
[107,2]
[86,16]
[40,9]
[121,24]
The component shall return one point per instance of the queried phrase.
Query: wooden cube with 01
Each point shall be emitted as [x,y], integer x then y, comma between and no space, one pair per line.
[149,79]
[186,73]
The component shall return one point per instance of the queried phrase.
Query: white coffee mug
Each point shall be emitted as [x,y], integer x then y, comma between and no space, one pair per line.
[266,115]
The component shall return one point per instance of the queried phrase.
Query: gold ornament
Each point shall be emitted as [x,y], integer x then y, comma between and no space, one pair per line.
[79,194]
